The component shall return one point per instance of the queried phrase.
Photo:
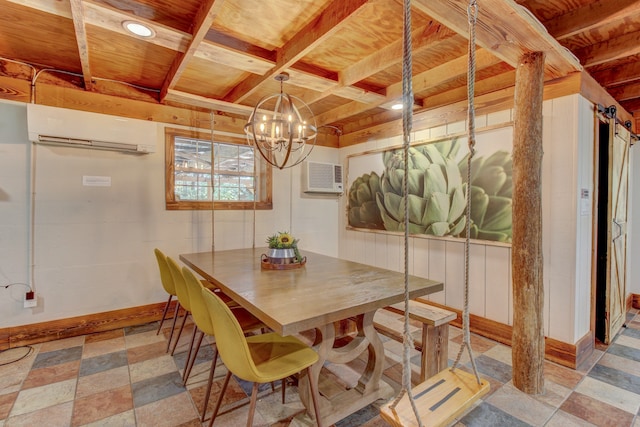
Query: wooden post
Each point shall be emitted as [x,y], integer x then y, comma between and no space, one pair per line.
[526,249]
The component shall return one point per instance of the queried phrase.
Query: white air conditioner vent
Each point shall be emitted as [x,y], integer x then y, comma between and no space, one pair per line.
[81,129]
[321,177]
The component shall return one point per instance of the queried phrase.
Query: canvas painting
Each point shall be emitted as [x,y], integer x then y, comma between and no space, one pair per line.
[437,186]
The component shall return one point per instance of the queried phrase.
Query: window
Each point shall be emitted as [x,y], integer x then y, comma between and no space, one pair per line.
[237,184]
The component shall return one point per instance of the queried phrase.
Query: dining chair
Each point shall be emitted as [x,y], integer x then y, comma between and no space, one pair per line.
[169,286]
[183,297]
[258,358]
[202,319]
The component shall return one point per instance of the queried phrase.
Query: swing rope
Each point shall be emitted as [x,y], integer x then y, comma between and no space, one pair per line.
[407,122]
[407,101]
[472,13]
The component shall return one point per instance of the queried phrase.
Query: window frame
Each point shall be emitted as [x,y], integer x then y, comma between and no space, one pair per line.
[264,174]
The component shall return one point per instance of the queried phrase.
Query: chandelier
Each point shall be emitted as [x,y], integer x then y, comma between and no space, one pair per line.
[282,128]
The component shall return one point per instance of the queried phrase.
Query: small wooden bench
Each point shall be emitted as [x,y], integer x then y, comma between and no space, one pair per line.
[435,334]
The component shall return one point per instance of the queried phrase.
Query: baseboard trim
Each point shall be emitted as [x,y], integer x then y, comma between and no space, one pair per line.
[570,355]
[17,336]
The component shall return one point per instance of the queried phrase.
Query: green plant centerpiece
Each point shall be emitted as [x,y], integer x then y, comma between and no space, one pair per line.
[283,249]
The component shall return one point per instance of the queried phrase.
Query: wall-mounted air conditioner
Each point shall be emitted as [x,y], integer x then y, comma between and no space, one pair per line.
[81,129]
[320,177]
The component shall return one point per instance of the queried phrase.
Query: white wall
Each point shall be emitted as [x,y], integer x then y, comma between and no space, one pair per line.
[567,168]
[633,284]
[93,246]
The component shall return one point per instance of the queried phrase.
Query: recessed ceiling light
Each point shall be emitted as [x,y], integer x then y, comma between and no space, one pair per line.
[139,29]
[396,107]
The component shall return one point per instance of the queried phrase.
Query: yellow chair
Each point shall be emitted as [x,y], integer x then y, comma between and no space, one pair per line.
[259,358]
[202,319]
[169,286]
[182,292]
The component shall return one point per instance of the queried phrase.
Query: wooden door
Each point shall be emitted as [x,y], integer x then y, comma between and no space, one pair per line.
[615,294]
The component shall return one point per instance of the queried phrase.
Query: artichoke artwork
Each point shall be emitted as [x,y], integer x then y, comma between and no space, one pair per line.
[363,209]
[436,194]
[491,191]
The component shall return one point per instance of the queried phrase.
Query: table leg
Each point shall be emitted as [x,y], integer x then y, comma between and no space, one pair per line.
[369,387]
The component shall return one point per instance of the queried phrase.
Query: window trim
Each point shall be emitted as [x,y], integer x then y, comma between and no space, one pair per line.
[264,172]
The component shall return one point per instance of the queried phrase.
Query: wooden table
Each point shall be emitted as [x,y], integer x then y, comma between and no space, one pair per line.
[324,291]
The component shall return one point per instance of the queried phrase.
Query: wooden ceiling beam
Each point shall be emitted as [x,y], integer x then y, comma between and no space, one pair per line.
[627,92]
[436,76]
[618,75]
[421,38]
[208,103]
[332,19]
[79,26]
[214,47]
[506,29]
[201,24]
[591,16]
[610,50]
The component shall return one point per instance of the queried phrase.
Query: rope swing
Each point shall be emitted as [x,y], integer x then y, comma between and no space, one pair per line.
[407,124]
[472,13]
[447,394]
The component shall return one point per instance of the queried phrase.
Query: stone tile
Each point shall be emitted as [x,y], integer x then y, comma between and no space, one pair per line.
[486,414]
[17,358]
[359,417]
[6,402]
[44,396]
[10,382]
[521,405]
[98,348]
[493,368]
[102,336]
[564,419]
[138,329]
[629,341]
[57,357]
[478,344]
[104,362]
[101,405]
[123,419]
[146,352]
[616,378]
[102,381]
[609,394]
[232,395]
[156,388]
[56,415]
[590,361]
[273,410]
[624,351]
[171,411]
[51,374]
[562,375]
[238,418]
[501,353]
[631,332]
[143,338]
[152,368]
[554,394]
[205,355]
[596,412]
[62,344]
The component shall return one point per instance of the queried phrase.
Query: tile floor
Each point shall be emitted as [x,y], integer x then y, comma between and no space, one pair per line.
[125,378]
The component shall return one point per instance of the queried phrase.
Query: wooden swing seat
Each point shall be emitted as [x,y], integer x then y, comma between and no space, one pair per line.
[439,400]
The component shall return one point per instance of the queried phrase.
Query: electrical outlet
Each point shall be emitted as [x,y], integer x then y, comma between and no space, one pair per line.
[30,300]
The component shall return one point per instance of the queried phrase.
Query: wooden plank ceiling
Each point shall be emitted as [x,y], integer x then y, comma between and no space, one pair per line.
[343,57]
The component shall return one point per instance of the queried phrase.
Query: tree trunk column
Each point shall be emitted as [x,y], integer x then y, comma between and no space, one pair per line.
[526,249]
